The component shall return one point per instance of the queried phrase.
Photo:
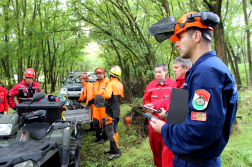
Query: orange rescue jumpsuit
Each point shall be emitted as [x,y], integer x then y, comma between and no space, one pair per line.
[87,95]
[99,109]
[113,93]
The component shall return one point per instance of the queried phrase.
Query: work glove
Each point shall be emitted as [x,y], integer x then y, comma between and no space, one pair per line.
[90,102]
[79,101]
[87,107]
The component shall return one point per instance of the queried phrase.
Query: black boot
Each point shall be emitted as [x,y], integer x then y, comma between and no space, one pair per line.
[91,127]
[114,156]
[103,133]
[109,151]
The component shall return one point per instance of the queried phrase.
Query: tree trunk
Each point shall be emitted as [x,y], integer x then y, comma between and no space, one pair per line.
[232,67]
[236,68]
[248,40]
[5,60]
[215,6]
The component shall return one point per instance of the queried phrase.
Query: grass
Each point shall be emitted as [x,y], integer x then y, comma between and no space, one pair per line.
[238,152]
[135,148]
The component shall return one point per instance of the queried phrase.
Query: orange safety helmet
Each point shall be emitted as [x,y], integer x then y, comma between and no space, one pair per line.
[184,24]
[169,28]
[84,76]
[29,72]
[100,70]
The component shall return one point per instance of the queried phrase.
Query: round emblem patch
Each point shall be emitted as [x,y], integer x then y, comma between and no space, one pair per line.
[200,99]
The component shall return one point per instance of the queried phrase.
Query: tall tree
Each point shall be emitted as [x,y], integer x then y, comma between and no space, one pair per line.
[215,6]
[244,5]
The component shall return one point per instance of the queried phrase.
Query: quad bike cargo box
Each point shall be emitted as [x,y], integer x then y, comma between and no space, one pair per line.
[79,115]
[54,109]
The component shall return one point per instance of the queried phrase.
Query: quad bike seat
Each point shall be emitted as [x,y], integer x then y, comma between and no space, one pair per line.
[37,130]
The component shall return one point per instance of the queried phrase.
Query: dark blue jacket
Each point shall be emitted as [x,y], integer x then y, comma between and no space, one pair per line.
[206,138]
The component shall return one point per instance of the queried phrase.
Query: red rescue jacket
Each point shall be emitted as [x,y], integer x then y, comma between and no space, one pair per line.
[156,92]
[4,106]
[23,92]
[180,82]
[164,103]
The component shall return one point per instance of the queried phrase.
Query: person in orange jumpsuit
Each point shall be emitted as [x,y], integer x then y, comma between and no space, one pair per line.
[87,95]
[112,94]
[99,106]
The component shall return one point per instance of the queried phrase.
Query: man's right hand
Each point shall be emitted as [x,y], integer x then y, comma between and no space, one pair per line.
[150,105]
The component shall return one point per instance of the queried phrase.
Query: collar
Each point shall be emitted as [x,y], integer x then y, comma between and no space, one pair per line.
[180,79]
[24,83]
[101,79]
[201,59]
[164,83]
[116,79]
[84,83]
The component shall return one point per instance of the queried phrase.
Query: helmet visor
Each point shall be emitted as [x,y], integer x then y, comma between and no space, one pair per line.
[163,29]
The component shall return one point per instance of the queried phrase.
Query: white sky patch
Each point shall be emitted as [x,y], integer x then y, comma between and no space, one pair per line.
[93,48]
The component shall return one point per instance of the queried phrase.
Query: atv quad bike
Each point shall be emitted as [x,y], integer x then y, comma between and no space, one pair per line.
[36,136]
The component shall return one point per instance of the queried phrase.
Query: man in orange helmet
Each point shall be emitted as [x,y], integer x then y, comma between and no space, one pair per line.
[212,92]
[87,95]
[99,106]
[25,89]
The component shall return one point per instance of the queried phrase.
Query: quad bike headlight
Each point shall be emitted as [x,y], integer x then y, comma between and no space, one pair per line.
[5,129]
[24,164]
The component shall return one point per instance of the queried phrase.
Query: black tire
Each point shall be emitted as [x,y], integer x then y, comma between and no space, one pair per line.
[77,156]
[75,160]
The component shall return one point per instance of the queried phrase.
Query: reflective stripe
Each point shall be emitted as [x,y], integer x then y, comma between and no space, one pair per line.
[28,88]
[22,98]
[154,96]
[166,95]
[160,88]
[11,95]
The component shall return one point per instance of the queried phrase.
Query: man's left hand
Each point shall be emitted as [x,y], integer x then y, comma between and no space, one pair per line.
[162,114]
[157,124]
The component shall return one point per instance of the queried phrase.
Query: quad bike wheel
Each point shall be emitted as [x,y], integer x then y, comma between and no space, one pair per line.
[75,153]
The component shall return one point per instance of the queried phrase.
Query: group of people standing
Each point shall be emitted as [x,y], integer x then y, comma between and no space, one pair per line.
[103,98]
[154,95]
[212,97]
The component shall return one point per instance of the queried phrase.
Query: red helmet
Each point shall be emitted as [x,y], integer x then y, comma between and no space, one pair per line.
[100,70]
[84,76]
[29,72]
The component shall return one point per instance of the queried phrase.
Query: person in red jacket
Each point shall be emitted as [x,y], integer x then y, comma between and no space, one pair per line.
[4,106]
[180,67]
[158,89]
[25,89]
